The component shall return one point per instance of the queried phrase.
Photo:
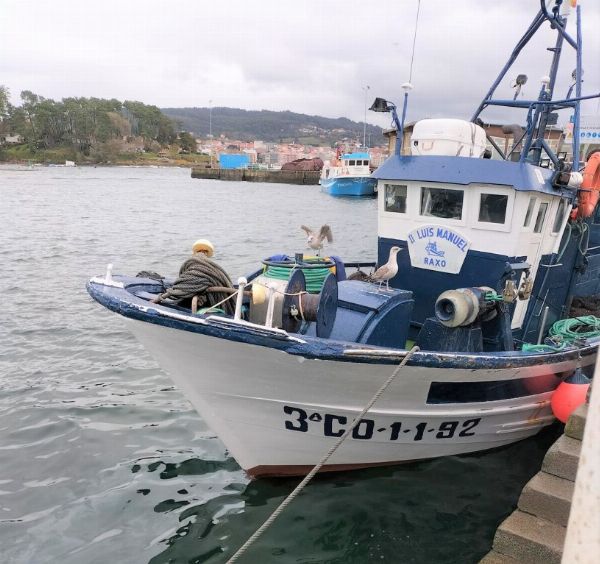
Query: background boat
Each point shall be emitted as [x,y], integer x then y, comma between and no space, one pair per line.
[350,175]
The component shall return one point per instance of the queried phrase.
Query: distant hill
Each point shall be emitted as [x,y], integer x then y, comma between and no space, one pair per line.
[273,127]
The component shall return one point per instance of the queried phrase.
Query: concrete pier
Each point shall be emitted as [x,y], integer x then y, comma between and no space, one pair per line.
[535,532]
[250,175]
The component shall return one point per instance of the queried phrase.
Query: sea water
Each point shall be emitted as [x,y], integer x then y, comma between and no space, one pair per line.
[102,459]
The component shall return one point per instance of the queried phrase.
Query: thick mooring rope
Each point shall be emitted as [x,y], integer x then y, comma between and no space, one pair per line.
[196,275]
[321,462]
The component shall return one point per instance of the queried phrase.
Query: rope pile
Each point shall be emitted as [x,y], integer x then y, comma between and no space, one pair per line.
[315,277]
[566,333]
[196,275]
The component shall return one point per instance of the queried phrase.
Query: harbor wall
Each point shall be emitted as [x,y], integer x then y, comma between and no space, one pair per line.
[548,512]
[249,175]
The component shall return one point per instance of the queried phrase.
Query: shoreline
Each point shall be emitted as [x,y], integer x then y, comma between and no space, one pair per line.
[162,162]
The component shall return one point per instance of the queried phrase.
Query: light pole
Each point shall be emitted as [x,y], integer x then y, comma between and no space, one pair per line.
[366,89]
[210,118]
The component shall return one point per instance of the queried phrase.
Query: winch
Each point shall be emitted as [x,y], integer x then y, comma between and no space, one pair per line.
[286,303]
[461,307]
[466,318]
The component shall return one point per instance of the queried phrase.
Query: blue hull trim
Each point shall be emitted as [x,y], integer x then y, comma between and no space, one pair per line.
[124,302]
[349,186]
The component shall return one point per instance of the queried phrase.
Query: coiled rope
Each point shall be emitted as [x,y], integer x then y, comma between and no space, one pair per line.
[566,332]
[315,277]
[321,462]
[196,275]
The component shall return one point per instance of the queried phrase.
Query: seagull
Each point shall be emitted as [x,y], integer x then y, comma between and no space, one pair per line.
[386,272]
[315,240]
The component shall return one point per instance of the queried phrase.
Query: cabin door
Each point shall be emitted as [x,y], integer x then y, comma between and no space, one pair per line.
[531,241]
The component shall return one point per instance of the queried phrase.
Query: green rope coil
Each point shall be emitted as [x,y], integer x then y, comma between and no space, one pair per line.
[584,327]
[315,277]
[565,332]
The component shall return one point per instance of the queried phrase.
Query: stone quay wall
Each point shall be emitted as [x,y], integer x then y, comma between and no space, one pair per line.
[239,175]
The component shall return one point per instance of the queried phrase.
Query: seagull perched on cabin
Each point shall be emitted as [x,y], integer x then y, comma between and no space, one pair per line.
[386,272]
[315,240]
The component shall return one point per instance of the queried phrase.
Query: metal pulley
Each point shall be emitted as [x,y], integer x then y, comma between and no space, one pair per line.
[463,306]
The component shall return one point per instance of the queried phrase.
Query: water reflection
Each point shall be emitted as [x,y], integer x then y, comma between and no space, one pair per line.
[444,511]
[103,459]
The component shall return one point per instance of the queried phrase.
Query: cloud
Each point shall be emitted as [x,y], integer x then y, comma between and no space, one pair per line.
[312,57]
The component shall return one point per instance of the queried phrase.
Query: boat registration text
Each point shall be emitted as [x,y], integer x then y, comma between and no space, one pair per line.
[335,426]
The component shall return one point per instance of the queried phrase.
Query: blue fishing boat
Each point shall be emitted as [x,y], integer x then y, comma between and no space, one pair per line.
[483,257]
[349,175]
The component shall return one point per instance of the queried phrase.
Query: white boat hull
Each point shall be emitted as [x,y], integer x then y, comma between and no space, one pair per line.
[278,413]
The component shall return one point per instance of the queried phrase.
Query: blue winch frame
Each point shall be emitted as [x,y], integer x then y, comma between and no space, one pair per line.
[539,110]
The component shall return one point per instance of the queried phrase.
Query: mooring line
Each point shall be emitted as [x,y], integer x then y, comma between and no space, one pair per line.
[323,460]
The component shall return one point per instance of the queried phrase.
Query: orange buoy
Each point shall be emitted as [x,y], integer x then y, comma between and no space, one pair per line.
[589,191]
[569,395]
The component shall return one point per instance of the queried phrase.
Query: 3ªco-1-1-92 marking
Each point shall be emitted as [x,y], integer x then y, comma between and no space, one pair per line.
[334,426]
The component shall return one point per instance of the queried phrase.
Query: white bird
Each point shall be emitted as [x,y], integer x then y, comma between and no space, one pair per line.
[315,240]
[386,272]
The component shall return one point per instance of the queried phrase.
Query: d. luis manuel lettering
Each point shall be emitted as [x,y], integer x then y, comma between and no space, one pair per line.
[441,233]
[452,237]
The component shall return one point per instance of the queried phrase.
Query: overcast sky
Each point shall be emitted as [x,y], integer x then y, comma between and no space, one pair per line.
[307,56]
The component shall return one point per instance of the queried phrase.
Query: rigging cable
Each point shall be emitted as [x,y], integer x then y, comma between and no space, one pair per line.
[323,460]
[412,57]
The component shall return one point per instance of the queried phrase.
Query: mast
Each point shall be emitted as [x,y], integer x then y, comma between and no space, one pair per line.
[539,110]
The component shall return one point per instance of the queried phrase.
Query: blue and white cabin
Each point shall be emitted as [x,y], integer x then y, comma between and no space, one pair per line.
[468,221]
[358,161]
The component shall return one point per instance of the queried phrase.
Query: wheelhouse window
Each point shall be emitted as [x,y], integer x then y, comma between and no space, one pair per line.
[352,163]
[441,202]
[529,213]
[395,198]
[492,208]
[541,215]
[560,216]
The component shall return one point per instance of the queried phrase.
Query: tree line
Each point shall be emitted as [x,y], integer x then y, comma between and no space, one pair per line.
[83,123]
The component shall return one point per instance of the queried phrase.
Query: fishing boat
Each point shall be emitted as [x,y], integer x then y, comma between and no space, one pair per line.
[348,175]
[490,254]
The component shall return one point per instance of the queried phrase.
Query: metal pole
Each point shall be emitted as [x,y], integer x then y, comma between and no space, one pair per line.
[535,24]
[210,118]
[577,94]
[242,282]
[366,88]
[537,150]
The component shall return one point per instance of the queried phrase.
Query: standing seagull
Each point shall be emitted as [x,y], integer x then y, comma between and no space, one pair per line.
[386,272]
[315,240]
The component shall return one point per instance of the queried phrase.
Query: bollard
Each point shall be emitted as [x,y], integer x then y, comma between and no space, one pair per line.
[270,307]
[240,297]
